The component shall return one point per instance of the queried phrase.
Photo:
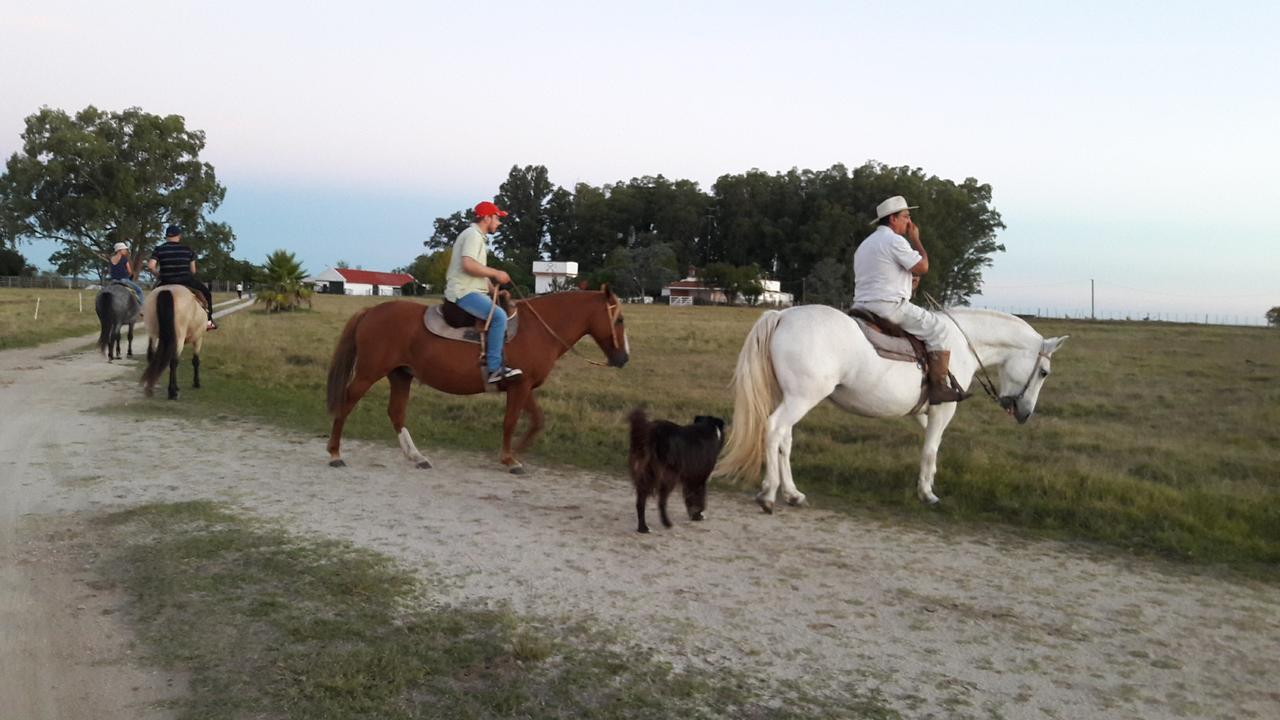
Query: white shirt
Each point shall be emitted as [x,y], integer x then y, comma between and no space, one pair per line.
[882,267]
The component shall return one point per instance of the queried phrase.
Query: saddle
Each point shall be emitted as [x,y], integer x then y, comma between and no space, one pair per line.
[890,340]
[452,322]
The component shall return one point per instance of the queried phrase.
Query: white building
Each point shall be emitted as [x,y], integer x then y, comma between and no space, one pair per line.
[551,276]
[345,281]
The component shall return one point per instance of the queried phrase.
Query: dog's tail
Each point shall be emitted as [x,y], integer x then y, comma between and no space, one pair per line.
[755,396]
[639,432]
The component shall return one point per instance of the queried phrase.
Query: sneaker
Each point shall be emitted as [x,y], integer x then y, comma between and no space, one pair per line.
[504,373]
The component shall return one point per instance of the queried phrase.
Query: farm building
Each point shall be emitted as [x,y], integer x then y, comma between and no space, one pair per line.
[552,276]
[691,290]
[345,281]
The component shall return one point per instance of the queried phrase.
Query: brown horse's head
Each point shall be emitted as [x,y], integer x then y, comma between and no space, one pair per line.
[608,330]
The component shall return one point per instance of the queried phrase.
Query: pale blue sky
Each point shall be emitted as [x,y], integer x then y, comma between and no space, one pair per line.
[1134,143]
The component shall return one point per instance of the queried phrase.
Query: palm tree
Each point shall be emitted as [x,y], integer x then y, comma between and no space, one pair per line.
[283,289]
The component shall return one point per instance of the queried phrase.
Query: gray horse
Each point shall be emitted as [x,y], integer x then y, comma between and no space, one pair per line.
[117,305]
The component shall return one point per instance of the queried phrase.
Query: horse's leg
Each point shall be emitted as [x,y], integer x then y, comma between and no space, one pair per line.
[116,334]
[517,395]
[789,491]
[130,339]
[195,370]
[173,378]
[939,417]
[401,382]
[791,411]
[358,387]
[535,423]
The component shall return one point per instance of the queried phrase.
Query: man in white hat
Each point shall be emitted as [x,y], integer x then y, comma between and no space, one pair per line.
[883,268]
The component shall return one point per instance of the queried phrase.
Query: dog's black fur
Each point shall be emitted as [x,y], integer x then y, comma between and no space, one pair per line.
[663,454]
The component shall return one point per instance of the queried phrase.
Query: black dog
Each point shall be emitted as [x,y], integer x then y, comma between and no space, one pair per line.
[663,454]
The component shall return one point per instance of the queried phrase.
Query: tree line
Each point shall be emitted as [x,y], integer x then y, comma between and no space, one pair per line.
[799,227]
[95,178]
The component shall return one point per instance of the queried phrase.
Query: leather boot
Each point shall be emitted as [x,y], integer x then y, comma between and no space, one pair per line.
[940,390]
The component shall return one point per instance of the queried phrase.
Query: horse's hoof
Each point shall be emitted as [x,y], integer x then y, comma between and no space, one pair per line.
[765,504]
[797,500]
[698,517]
[338,463]
[519,470]
[930,500]
[643,530]
[425,465]
[173,396]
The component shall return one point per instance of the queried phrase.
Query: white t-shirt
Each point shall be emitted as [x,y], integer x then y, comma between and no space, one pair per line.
[882,267]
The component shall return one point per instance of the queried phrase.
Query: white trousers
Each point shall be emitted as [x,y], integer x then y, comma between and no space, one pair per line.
[927,326]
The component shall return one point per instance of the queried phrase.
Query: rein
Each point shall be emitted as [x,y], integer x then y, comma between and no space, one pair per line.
[613,309]
[984,379]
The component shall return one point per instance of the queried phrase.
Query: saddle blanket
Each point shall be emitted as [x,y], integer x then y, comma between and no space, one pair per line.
[890,348]
[433,319]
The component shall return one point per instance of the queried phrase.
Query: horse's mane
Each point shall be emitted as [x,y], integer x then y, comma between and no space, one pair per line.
[983,313]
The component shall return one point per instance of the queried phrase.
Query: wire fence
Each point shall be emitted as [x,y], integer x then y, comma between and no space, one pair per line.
[59,282]
[1131,316]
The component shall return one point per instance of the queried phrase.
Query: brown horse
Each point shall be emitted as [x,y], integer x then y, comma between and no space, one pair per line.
[389,340]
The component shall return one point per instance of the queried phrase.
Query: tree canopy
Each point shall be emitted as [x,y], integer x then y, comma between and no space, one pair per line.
[789,226]
[97,178]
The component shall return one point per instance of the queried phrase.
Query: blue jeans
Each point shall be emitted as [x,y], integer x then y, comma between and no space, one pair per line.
[477,304]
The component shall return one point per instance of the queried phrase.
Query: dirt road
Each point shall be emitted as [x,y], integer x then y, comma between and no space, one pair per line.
[962,625]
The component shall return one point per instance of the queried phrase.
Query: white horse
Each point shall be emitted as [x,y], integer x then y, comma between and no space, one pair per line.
[794,359]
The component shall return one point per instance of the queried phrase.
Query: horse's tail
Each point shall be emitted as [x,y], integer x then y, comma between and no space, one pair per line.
[343,364]
[107,318]
[166,339]
[755,396]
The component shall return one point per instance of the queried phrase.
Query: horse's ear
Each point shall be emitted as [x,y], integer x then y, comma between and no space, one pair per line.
[604,288]
[1052,344]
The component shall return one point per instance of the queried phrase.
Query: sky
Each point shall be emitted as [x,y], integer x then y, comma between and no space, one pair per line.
[1129,143]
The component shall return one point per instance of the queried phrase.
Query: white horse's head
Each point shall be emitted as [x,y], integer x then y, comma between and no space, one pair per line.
[1023,374]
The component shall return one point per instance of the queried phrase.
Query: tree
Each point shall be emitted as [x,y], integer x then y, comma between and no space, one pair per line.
[447,229]
[828,284]
[430,269]
[12,262]
[639,271]
[1273,316]
[99,178]
[282,287]
[524,197]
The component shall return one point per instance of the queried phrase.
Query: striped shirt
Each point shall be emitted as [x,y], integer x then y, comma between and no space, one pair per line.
[173,261]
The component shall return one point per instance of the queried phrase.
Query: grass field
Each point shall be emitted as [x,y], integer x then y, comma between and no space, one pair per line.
[1149,437]
[62,315]
[272,624]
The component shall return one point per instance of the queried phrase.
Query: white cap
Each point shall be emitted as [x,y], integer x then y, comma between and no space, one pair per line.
[895,204]
[121,246]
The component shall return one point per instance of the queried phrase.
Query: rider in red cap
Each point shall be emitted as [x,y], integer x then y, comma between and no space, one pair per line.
[467,284]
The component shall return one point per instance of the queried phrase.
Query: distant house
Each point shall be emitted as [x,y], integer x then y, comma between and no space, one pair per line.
[551,276]
[345,281]
[692,290]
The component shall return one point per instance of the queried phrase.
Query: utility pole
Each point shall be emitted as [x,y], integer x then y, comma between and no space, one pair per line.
[1092,314]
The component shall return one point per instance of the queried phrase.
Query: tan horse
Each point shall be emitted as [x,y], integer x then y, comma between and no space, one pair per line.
[389,340]
[174,318]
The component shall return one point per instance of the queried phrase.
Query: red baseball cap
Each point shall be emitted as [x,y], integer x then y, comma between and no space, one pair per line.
[486,208]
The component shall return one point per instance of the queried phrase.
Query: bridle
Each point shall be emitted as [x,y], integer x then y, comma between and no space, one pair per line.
[613,308]
[1006,402]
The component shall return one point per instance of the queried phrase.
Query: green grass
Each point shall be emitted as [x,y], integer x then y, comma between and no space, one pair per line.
[1150,437]
[271,624]
[61,315]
